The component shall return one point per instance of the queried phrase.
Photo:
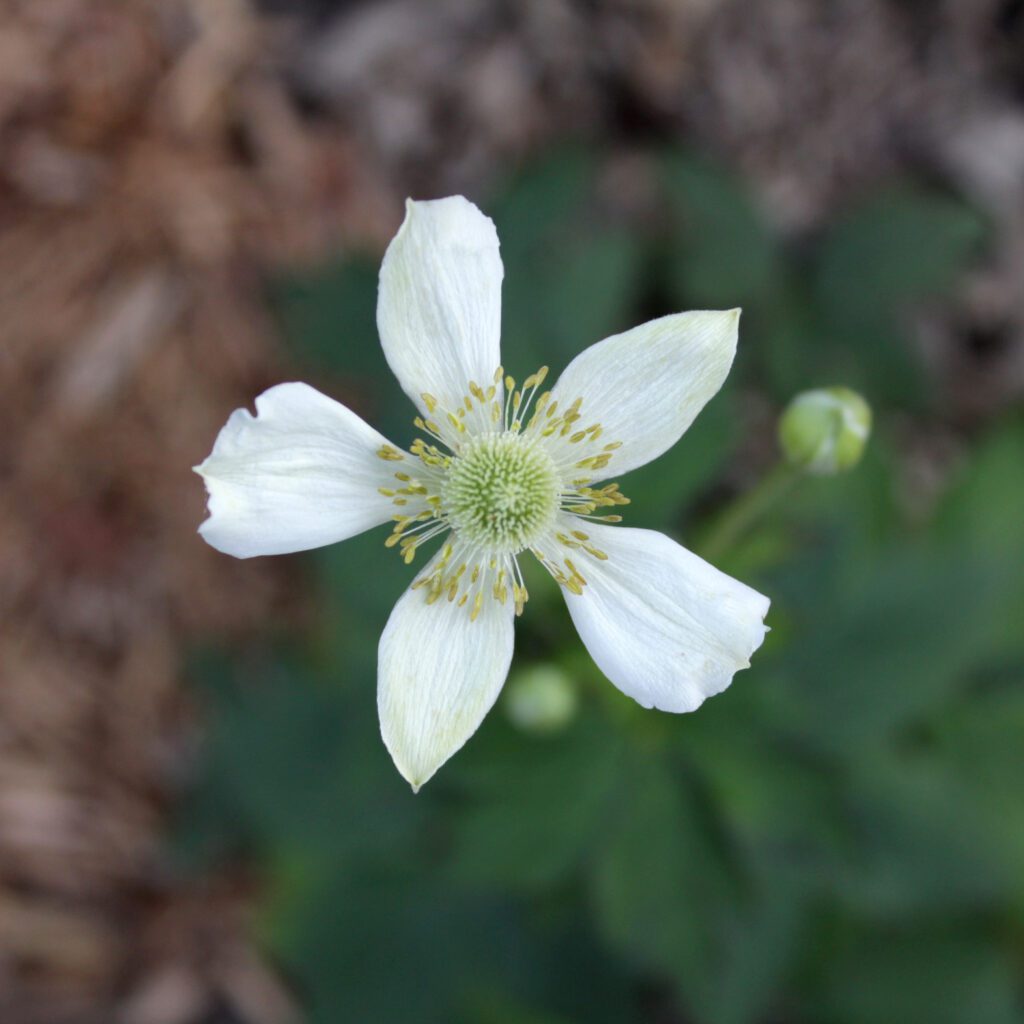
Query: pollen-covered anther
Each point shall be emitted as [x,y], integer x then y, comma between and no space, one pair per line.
[389,453]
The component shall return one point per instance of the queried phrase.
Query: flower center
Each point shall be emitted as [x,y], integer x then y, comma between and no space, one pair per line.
[501,493]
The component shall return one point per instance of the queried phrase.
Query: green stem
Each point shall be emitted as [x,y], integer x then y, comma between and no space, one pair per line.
[736,519]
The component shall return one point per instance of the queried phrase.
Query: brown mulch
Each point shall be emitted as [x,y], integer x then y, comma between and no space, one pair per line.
[155,170]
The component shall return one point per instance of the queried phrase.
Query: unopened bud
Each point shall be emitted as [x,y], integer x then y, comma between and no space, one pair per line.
[540,699]
[824,431]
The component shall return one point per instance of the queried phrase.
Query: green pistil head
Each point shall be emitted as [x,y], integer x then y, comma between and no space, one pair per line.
[502,493]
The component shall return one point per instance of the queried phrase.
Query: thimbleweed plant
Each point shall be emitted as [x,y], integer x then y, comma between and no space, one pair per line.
[500,470]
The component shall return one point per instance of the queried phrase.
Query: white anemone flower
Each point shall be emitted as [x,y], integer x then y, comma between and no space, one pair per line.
[499,471]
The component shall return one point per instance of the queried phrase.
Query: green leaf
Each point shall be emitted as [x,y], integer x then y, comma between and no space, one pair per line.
[898,247]
[362,580]
[328,317]
[649,873]
[927,975]
[982,744]
[665,899]
[571,277]
[893,645]
[659,491]
[723,254]
[328,313]
[983,511]
[386,946]
[535,803]
[290,763]
[984,507]
[918,841]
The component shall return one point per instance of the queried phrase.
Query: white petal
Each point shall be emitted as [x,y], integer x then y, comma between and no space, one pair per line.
[646,386]
[438,674]
[301,473]
[439,305]
[663,625]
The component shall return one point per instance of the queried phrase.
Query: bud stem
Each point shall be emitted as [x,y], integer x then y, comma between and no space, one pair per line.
[736,519]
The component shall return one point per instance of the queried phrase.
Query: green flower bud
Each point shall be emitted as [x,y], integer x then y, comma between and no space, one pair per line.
[824,431]
[540,699]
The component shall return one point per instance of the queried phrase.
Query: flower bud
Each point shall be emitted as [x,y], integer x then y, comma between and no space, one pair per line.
[824,431]
[540,699]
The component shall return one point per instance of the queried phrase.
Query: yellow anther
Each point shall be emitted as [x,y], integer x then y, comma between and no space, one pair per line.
[576,573]
[389,454]
[478,602]
[429,401]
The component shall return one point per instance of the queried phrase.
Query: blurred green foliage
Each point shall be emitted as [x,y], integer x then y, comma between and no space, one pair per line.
[837,838]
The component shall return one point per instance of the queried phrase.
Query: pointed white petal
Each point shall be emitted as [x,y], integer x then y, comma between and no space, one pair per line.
[663,625]
[438,674]
[646,386]
[439,305]
[301,473]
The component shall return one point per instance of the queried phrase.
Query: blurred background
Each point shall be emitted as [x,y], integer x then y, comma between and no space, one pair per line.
[199,823]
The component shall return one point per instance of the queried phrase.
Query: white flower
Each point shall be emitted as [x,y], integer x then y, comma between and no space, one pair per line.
[500,471]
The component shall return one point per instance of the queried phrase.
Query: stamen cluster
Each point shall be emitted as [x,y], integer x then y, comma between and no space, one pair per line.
[498,476]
